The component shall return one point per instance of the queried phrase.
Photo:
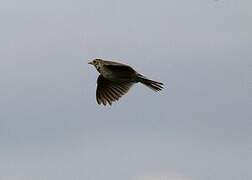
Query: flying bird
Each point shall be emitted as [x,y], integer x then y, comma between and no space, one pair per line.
[116,79]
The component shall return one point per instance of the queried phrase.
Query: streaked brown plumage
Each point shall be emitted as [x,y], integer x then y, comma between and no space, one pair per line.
[116,79]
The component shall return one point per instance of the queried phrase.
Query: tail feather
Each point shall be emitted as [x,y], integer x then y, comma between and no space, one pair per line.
[154,85]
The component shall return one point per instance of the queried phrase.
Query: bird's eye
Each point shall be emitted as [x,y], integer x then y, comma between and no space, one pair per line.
[94,61]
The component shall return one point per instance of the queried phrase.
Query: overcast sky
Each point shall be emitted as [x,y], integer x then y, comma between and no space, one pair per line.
[198,128]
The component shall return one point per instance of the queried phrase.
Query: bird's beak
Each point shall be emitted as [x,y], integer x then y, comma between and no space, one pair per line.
[91,63]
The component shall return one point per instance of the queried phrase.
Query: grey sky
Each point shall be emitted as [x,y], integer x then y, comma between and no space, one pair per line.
[199,127]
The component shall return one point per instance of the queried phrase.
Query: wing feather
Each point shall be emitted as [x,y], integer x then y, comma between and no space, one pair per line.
[109,91]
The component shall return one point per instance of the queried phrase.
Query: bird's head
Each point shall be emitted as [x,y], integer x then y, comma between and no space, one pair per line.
[97,63]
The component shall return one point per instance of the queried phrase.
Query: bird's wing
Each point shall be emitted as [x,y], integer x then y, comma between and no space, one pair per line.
[108,91]
[121,72]
[113,63]
[118,66]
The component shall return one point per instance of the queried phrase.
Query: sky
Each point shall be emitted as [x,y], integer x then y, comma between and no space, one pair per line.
[198,127]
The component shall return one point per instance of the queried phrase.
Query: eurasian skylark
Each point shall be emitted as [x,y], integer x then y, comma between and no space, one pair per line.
[116,79]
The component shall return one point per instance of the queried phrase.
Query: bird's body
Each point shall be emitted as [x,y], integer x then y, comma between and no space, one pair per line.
[116,79]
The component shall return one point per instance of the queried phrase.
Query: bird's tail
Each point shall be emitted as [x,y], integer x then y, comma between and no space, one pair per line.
[154,85]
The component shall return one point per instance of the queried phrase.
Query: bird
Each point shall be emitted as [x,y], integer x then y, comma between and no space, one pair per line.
[116,79]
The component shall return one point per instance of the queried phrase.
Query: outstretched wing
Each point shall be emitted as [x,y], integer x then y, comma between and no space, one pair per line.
[121,72]
[118,67]
[108,91]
